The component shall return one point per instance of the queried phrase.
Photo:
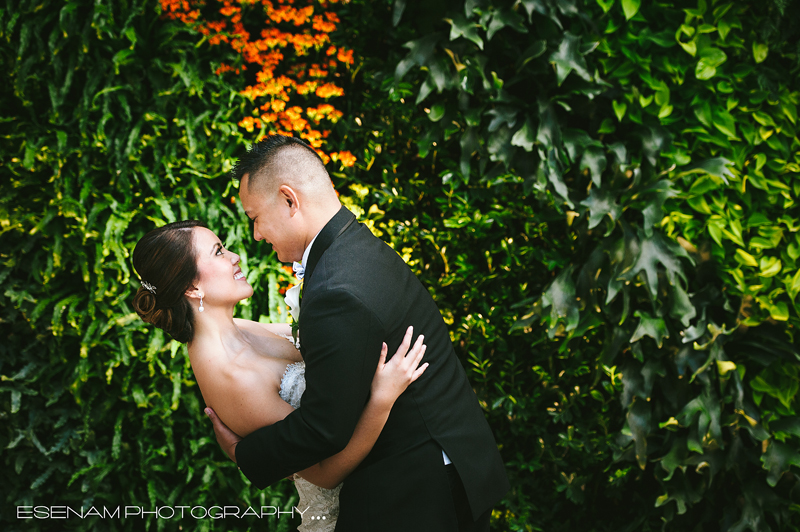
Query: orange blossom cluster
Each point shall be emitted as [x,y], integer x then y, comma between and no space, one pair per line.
[296,62]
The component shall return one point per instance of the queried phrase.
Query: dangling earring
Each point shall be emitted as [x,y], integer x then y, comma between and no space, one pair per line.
[201,304]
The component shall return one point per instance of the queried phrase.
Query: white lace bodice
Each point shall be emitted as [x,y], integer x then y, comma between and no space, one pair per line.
[293,383]
[320,506]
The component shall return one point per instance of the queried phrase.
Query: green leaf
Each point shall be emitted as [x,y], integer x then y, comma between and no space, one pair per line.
[703,114]
[506,17]
[607,126]
[532,52]
[656,194]
[568,57]
[560,297]
[601,203]
[779,311]
[437,112]
[793,285]
[790,110]
[764,119]
[397,11]
[419,53]
[549,132]
[724,121]
[777,459]
[770,266]
[461,26]
[619,109]
[716,166]
[760,52]
[724,27]
[689,47]
[655,328]
[710,59]
[524,137]
[681,306]
[605,5]
[469,145]
[594,158]
[630,7]
[743,257]
[700,11]
[653,252]
[676,458]
[790,425]
[638,418]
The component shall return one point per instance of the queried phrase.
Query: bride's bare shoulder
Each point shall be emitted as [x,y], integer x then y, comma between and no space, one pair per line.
[243,390]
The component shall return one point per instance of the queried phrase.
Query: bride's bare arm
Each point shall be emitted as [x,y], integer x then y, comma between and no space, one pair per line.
[281,329]
[391,379]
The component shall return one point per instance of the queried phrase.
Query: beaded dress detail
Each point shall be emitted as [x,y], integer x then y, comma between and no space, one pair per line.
[320,506]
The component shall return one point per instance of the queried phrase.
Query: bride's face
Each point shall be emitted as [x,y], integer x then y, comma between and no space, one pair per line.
[219,275]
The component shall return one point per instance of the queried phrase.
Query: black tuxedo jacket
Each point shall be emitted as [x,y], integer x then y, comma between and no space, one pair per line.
[357,294]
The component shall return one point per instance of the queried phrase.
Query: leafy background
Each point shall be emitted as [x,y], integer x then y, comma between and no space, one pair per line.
[599,194]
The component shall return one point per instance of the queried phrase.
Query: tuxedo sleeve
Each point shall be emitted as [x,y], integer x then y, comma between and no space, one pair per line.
[341,341]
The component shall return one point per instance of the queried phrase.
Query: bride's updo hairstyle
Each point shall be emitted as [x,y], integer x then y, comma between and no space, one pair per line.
[165,261]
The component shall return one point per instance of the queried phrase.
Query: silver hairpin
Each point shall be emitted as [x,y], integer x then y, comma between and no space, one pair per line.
[150,288]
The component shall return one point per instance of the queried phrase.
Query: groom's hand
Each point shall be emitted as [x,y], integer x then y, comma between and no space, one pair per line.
[226,438]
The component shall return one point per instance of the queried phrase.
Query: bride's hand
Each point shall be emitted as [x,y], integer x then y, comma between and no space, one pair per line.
[393,377]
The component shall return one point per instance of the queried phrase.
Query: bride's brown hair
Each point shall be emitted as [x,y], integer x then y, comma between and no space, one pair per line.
[165,260]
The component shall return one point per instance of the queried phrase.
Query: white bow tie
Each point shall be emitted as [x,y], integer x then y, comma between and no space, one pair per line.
[299,270]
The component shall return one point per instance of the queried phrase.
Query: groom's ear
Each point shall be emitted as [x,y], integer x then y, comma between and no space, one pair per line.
[289,195]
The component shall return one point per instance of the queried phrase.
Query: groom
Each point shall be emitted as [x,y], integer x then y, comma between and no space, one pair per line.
[435,466]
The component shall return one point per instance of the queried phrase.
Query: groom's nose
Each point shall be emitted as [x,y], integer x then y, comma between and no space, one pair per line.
[256,235]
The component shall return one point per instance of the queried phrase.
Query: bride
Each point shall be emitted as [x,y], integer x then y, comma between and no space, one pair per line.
[248,373]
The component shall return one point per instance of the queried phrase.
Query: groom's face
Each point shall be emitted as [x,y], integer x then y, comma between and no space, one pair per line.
[272,221]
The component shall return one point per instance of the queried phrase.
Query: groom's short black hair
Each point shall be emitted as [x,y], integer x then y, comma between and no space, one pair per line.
[261,153]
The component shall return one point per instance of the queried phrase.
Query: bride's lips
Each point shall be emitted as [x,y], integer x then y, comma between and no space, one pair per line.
[239,275]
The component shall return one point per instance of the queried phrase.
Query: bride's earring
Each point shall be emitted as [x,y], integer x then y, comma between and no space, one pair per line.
[201,304]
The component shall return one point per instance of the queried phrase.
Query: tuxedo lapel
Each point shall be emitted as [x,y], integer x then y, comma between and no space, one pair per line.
[335,227]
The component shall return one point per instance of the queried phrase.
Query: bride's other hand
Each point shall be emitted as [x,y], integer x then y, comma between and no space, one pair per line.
[392,378]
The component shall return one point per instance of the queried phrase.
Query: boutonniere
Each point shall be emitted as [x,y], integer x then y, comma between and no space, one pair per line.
[292,299]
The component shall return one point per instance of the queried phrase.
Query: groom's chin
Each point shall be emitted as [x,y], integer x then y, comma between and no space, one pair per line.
[284,257]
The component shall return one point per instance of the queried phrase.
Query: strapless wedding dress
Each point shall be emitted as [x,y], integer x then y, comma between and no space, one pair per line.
[320,506]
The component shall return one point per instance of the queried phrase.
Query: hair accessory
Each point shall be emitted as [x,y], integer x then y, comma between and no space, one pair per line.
[150,288]
[201,309]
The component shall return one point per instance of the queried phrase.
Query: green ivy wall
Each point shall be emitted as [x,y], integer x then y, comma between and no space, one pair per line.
[600,195]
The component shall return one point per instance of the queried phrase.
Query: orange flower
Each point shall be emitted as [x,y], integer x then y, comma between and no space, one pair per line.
[269,117]
[247,122]
[316,72]
[329,90]
[288,86]
[307,87]
[320,24]
[345,56]
[324,156]
[347,159]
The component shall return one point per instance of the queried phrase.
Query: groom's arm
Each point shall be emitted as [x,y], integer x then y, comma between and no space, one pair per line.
[342,340]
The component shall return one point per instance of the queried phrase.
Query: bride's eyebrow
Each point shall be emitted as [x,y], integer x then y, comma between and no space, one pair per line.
[217,246]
